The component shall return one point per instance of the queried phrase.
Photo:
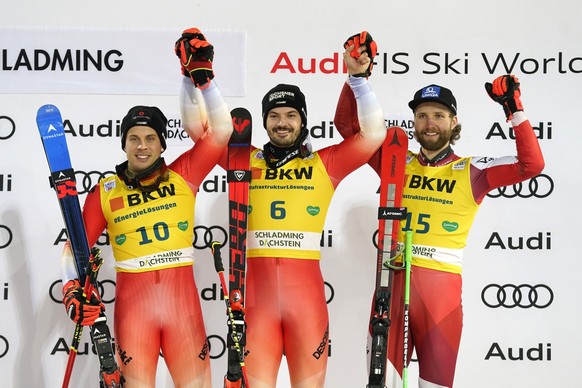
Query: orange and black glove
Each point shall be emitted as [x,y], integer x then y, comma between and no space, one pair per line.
[505,91]
[363,39]
[196,55]
[81,309]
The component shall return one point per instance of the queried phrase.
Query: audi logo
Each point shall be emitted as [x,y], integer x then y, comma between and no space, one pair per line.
[5,236]
[86,180]
[204,236]
[7,127]
[3,344]
[524,296]
[540,186]
[106,291]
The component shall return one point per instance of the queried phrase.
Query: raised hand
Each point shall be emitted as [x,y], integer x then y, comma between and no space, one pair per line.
[363,48]
[505,91]
[196,55]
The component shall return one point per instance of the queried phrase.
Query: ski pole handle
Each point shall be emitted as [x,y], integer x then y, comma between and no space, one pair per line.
[87,289]
[215,247]
[408,251]
[95,262]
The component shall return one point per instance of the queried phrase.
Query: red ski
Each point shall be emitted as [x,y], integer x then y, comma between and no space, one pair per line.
[238,177]
[390,212]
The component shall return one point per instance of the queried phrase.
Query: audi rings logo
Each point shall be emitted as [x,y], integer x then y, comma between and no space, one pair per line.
[86,180]
[4,346]
[540,186]
[5,236]
[524,296]
[7,127]
[204,236]
[106,291]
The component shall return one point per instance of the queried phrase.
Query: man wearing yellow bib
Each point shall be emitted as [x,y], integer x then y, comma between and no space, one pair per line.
[442,193]
[148,211]
[290,192]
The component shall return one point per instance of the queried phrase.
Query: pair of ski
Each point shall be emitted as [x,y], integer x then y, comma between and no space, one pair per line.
[390,213]
[87,262]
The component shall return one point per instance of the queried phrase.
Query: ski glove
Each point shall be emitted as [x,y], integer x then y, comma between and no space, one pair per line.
[196,55]
[363,39]
[505,91]
[80,308]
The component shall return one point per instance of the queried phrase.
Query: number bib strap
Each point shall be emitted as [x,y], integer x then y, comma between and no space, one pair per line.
[169,259]
[285,243]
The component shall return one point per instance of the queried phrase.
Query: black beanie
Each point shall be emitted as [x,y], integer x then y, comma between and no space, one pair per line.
[149,116]
[285,95]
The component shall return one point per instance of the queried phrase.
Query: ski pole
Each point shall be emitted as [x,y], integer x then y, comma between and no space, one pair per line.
[407,260]
[95,262]
[232,379]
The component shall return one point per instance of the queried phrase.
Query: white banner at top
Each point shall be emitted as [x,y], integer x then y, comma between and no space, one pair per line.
[91,61]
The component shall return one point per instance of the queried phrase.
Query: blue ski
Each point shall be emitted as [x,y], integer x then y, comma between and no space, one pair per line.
[62,179]
[52,134]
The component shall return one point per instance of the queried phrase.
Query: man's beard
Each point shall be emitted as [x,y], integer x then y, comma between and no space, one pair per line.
[442,141]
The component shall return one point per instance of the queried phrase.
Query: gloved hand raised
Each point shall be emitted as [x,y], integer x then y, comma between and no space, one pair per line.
[80,308]
[193,33]
[196,56]
[505,91]
[362,39]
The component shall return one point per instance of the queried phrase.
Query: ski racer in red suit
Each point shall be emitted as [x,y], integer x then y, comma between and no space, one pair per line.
[289,194]
[148,211]
[440,213]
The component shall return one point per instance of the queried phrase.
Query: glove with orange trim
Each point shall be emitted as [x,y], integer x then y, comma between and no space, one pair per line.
[196,55]
[505,91]
[363,39]
[81,309]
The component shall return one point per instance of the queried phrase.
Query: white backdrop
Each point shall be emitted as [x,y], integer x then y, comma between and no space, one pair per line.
[515,241]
